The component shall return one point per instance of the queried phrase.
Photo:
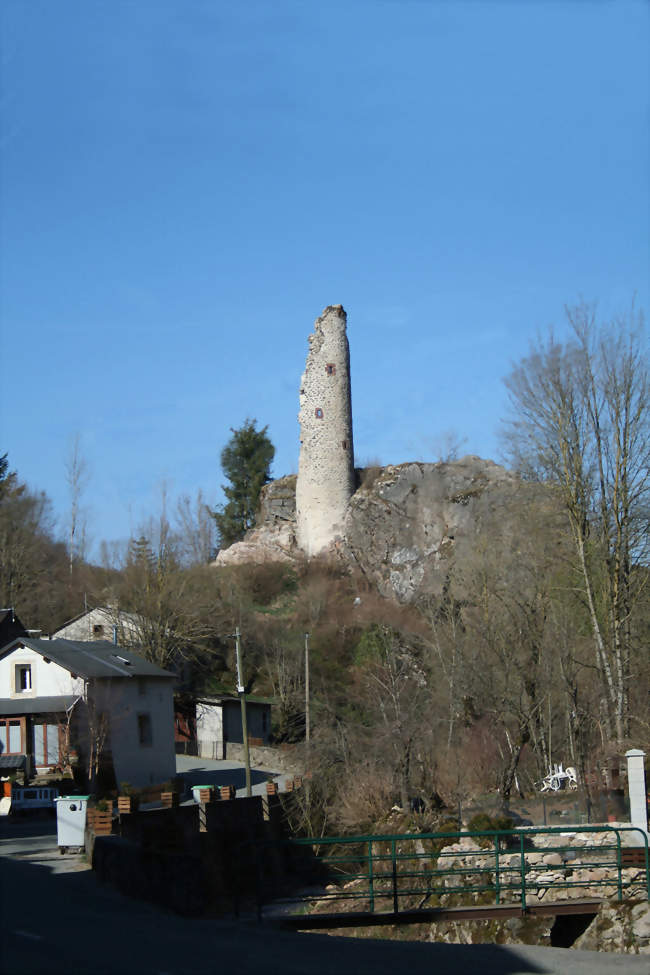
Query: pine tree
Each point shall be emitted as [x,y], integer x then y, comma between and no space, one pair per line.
[246,461]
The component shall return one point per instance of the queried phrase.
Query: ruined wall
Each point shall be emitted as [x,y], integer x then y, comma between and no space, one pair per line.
[326,469]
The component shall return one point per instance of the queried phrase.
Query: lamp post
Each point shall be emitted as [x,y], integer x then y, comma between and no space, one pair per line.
[241,691]
[307,730]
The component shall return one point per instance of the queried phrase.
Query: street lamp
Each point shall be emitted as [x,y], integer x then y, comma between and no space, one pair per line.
[307,690]
[241,691]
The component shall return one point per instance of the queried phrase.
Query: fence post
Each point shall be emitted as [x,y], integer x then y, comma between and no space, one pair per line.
[496,869]
[523,873]
[619,865]
[371,885]
[392,851]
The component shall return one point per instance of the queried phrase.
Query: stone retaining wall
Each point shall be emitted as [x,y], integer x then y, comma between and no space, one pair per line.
[590,866]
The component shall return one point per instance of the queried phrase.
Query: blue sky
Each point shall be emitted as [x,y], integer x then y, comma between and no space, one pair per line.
[187,184]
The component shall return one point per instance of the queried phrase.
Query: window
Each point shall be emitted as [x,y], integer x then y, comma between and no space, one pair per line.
[319,413]
[23,678]
[344,444]
[98,629]
[10,737]
[330,369]
[145,736]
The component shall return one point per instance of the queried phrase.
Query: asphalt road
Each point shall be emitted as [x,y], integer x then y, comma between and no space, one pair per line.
[216,772]
[56,918]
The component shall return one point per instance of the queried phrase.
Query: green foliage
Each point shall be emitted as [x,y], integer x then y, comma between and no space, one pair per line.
[8,479]
[246,461]
[371,648]
[446,826]
[31,561]
[483,822]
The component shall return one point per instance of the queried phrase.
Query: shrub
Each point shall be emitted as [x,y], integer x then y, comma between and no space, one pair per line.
[368,476]
[482,822]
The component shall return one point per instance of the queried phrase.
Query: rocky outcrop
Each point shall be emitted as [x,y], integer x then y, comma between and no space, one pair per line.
[619,927]
[403,524]
[274,538]
[278,503]
[403,527]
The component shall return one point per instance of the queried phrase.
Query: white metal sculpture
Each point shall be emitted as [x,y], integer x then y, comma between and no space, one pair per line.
[560,778]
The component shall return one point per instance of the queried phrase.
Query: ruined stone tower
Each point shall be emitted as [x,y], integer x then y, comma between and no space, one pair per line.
[326,470]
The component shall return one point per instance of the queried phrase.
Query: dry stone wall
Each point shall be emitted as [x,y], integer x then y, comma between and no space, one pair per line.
[558,867]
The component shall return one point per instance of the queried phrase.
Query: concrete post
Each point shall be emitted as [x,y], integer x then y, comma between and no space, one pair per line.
[636,788]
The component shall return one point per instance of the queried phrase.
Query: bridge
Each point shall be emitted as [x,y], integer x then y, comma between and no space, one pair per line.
[355,881]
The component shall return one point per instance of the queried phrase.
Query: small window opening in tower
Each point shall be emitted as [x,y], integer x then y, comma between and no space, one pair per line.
[344,444]
[319,413]
[330,369]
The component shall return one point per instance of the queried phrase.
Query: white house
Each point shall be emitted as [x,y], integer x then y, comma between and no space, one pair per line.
[100,623]
[93,697]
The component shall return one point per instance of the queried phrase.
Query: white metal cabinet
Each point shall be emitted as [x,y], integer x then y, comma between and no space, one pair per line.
[71,820]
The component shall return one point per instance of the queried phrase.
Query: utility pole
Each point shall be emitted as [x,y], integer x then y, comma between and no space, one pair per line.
[307,730]
[244,724]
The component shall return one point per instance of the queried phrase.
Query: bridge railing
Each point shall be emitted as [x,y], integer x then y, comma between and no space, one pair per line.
[405,872]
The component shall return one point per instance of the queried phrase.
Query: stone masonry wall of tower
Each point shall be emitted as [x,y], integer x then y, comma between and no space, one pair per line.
[326,468]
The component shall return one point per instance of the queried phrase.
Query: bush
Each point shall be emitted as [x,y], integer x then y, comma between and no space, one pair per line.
[368,476]
[482,822]
[450,826]
[264,582]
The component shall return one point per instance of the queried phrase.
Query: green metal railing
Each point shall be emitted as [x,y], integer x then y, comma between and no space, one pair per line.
[402,872]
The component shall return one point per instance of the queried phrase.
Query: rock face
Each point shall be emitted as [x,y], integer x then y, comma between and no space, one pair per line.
[402,528]
[278,503]
[274,538]
[326,470]
[619,927]
[402,525]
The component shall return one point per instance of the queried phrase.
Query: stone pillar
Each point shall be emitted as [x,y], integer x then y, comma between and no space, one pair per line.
[636,788]
[326,469]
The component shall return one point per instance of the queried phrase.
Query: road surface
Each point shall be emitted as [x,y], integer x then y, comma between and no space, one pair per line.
[215,772]
[56,919]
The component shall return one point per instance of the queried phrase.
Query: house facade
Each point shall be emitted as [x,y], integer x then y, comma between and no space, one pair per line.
[96,700]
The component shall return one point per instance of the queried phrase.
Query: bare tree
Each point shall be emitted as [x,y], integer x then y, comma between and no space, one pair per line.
[396,691]
[447,446]
[580,421]
[196,530]
[76,475]
[173,612]
[282,667]
[98,729]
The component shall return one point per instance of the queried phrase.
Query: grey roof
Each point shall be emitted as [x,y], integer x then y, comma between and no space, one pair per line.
[233,698]
[12,761]
[37,705]
[98,658]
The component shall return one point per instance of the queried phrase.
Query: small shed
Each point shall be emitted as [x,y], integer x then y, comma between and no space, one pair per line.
[219,724]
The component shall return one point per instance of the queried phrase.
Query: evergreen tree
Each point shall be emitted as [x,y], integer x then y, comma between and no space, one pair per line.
[246,461]
[8,480]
